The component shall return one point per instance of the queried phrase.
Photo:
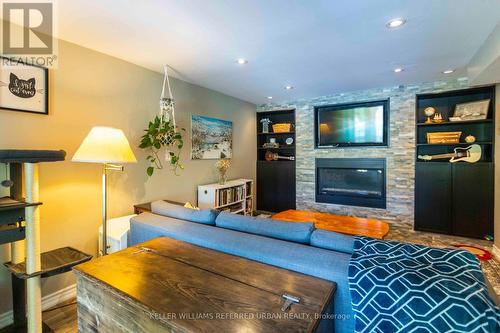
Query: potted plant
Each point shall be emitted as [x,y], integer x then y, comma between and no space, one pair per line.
[162,133]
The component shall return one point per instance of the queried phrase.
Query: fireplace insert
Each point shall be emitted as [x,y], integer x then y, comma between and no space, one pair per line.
[351,181]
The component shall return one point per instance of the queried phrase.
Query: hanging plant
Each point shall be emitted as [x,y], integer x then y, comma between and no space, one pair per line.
[162,132]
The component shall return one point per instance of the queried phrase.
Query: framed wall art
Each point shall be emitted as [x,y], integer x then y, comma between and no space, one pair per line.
[211,138]
[23,87]
[472,111]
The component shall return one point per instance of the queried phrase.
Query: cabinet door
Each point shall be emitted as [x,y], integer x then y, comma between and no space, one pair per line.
[473,199]
[275,186]
[433,197]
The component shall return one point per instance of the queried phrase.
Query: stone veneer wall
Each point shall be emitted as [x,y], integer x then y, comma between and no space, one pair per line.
[400,154]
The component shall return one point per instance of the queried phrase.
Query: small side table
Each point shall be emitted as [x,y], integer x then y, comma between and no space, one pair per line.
[146,207]
[117,233]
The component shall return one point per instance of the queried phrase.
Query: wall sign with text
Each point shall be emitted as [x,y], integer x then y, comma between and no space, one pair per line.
[23,87]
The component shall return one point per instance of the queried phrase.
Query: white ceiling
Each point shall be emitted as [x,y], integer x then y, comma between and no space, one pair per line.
[318,46]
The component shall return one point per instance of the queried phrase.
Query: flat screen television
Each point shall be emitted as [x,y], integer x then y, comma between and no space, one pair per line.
[356,124]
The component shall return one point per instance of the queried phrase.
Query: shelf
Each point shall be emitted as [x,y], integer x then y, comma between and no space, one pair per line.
[274,133]
[482,121]
[444,160]
[53,262]
[274,112]
[229,204]
[455,144]
[292,147]
[7,203]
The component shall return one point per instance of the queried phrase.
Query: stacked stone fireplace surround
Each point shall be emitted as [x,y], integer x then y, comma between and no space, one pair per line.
[400,155]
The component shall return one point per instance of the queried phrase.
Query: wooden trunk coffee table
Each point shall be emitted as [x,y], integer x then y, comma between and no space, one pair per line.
[342,224]
[165,285]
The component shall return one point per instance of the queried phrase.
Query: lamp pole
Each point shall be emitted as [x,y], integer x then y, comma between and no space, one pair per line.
[106,167]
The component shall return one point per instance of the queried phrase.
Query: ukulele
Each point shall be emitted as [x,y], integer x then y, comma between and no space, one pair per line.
[270,156]
[471,154]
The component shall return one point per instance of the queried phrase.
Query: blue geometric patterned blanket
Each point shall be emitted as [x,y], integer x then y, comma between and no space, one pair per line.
[398,287]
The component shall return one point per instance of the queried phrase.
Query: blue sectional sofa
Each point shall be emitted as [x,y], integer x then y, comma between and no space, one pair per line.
[294,246]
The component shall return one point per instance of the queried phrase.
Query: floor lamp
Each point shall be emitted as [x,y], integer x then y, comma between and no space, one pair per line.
[110,147]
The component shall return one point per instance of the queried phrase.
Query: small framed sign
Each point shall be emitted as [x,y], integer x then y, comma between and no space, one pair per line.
[23,87]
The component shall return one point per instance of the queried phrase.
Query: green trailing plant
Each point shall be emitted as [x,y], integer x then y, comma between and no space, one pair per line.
[160,134]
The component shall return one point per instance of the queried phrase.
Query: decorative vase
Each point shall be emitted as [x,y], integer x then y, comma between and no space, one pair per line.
[222,177]
[222,166]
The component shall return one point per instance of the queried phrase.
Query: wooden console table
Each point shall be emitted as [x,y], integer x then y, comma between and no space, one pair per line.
[146,207]
[165,285]
[342,224]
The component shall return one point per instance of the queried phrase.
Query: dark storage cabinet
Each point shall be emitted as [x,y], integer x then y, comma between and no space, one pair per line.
[275,186]
[276,179]
[472,197]
[455,198]
[433,197]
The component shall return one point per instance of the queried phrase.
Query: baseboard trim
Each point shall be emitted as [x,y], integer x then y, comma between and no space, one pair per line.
[48,301]
[6,319]
[496,252]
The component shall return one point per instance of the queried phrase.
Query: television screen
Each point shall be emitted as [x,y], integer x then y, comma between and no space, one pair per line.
[360,124]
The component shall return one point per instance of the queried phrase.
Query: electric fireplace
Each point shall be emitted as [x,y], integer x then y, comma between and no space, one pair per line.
[351,181]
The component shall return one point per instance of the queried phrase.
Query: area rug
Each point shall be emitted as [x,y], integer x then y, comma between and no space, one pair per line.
[480,253]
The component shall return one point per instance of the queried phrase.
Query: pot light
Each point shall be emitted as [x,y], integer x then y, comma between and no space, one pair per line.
[448,71]
[398,70]
[288,87]
[242,61]
[395,23]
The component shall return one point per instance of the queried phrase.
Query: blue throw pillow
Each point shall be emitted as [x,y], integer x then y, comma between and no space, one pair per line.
[204,216]
[332,241]
[299,232]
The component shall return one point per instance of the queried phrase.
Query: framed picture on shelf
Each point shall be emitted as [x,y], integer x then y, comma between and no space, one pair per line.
[23,87]
[471,111]
[211,138]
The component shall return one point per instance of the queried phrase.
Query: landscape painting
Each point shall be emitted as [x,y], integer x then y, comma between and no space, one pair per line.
[211,138]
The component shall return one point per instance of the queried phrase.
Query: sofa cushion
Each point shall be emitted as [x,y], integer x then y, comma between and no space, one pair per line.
[289,231]
[204,216]
[332,241]
[325,264]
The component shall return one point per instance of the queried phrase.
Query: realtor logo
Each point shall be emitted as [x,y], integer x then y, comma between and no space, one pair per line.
[27,28]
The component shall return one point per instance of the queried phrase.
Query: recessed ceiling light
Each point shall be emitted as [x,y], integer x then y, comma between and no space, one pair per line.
[242,61]
[269,97]
[395,23]
[288,87]
[398,70]
[448,71]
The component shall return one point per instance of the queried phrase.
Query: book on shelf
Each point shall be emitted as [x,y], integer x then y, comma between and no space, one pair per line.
[248,189]
[229,195]
[232,208]
[249,207]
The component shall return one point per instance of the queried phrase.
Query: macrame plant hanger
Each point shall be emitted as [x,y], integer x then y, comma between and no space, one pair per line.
[167,104]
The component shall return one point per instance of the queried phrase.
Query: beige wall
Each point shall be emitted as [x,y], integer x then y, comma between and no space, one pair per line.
[88,89]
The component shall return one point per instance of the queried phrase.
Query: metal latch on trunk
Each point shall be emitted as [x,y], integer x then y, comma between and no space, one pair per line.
[289,300]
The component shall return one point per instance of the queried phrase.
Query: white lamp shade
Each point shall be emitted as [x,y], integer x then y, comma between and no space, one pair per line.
[105,145]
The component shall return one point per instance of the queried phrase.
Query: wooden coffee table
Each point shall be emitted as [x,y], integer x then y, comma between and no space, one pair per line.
[342,224]
[165,285]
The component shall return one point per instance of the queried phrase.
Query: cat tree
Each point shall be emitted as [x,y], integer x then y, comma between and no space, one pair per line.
[19,220]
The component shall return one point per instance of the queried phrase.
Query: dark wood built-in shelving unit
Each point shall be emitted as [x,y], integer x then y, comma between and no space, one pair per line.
[275,179]
[455,198]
